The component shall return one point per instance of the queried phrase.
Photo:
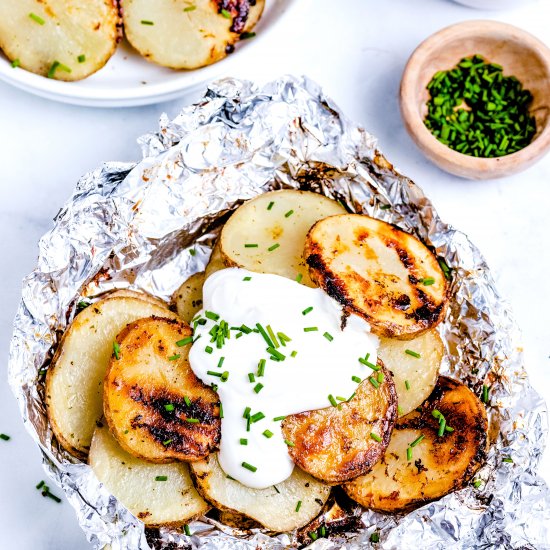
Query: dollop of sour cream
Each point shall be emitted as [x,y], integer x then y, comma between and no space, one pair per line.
[312,358]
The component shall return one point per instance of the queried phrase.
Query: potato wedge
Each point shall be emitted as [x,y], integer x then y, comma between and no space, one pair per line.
[216,261]
[379,272]
[285,224]
[141,487]
[61,39]
[183,34]
[156,407]
[74,383]
[188,297]
[437,465]
[337,444]
[274,507]
[419,372]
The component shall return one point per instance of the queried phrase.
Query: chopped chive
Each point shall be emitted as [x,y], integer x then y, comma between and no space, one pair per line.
[356,379]
[5,437]
[16,63]
[246,413]
[507,459]
[249,467]
[449,429]
[299,278]
[385,206]
[273,247]
[190,8]
[416,441]
[186,529]
[247,35]
[313,535]
[41,484]
[51,495]
[340,398]
[264,335]
[53,68]
[169,407]
[399,410]
[322,531]
[174,357]
[211,315]
[276,355]
[407,385]
[116,350]
[374,382]
[289,443]
[272,335]
[412,353]
[187,400]
[298,506]
[293,353]
[192,251]
[328,336]
[283,338]
[267,433]
[428,281]
[442,424]
[279,418]
[257,417]
[214,373]
[37,18]
[167,442]
[380,377]
[261,367]
[270,205]
[145,22]
[161,478]
[251,245]
[332,400]
[351,396]
[208,349]
[251,377]
[225,13]
[477,483]
[375,537]
[247,278]
[245,329]
[229,477]
[311,329]
[485,395]
[243,441]
[258,388]
[376,437]
[436,414]
[221,409]
[409,454]
[289,213]
[220,362]
[307,310]
[224,376]
[368,364]
[192,420]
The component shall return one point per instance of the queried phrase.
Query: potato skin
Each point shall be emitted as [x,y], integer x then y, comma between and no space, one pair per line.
[439,465]
[143,381]
[335,444]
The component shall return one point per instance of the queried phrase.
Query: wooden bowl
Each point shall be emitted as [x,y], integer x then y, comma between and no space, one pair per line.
[519,53]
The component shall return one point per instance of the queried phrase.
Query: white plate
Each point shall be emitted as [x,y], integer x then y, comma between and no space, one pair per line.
[128,79]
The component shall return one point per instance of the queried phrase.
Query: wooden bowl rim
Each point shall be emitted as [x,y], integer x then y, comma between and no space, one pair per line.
[445,157]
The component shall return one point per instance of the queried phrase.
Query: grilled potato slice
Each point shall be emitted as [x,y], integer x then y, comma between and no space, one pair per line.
[337,444]
[215,263]
[129,293]
[188,297]
[283,225]
[156,407]
[379,272]
[414,377]
[185,34]
[74,383]
[61,39]
[274,508]
[438,465]
[141,487]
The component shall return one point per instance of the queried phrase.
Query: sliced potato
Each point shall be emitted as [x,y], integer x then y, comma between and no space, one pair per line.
[274,508]
[185,34]
[335,444]
[74,383]
[156,407]
[236,520]
[418,373]
[379,272]
[129,293]
[188,297]
[141,487]
[438,465]
[286,224]
[216,261]
[61,39]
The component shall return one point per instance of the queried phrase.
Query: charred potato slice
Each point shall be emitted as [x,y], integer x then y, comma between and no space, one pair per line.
[337,444]
[279,219]
[188,297]
[157,494]
[379,272]
[436,465]
[274,508]
[61,39]
[187,34]
[156,407]
[74,383]
[414,377]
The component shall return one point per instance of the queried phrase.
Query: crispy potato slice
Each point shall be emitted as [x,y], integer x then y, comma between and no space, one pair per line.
[335,444]
[188,297]
[61,39]
[136,484]
[183,34]
[156,407]
[274,508]
[74,383]
[215,263]
[438,465]
[285,223]
[237,521]
[378,272]
[419,372]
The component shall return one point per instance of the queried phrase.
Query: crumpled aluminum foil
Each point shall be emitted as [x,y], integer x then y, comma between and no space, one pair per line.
[132,225]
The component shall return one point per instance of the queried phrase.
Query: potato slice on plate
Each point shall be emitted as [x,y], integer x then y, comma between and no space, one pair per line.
[337,444]
[61,39]
[420,465]
[183,34]
[156,407]
[157,494]
[188,297]
[415,366]
[379,272]
[267,233]
[74,383]
[274,508]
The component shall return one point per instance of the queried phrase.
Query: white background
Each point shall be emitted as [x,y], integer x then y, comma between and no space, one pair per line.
[357,51]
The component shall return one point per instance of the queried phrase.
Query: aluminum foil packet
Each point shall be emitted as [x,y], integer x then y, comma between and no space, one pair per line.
[132,225]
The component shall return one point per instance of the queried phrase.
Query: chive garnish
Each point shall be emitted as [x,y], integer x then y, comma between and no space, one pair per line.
[261,367]
[289,443]
[174,357]
[167,442]
[208,349]
[283,338]
[224,376]
[412,353]
[251,377]
[5,437]
[485,395]
[376,437]
[246,413]
[192,420]
[146,22]
[270,205]
[332,400]
[220,362]
[298,506]
[399,410]
[313,535]
[375,537]
[41,484]
[428,281]
[169,407]
[356,379]
[187,400]
[258,388]
[299,278]
[211,315]
[186,529]
[409,454]
[276,355]
[442,424]
[116,350]
[289,213]
[293,353]
[477,483]
[214,373]
[416,441]
[328,336]
[190,8]
[37,18]
[221,409]
[273,247]
[267,433]
[380,377]
[407,385]
[243,441]
[257,417]
[279,418]
[340,398]
[367,363]
[374,382]
[272,336]
[247,35]
[161,478]
[192,251]
[507,459]
[249,467]
[251,245]
[307,310]
[247,278]
[225,13]
[311,329]
[16,63]
[264,335]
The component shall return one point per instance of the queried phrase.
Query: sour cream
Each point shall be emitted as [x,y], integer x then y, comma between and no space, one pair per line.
[320,359]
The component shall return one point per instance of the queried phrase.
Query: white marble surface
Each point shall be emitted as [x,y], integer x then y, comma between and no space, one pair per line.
[357,53]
